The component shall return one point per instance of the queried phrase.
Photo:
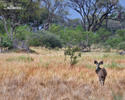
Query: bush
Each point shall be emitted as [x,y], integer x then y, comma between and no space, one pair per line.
[121,34]
[6,42]
[103,35]
[22,32]
[35,39]
[121,46]
[45,39]
[113,41]
[51,40]
[73,53]
[89,37]
[68,34]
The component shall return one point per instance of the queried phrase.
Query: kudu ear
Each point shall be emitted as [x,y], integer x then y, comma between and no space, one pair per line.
[95,62]
[101,62]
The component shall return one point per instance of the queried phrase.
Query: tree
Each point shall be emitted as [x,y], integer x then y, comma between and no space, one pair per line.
[35,15]
[93,12]
[14,13]
[55,9]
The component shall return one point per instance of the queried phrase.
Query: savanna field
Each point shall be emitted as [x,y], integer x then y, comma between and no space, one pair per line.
[45,75]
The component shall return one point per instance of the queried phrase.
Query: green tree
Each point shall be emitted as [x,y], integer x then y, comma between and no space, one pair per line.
[113,41]
[2,31]
[56,9]
[23,32]
[93,12]
[121,33]
[17,12]
[121,46]
[103,35]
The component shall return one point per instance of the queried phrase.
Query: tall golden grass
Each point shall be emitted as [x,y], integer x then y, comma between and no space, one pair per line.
[46,76]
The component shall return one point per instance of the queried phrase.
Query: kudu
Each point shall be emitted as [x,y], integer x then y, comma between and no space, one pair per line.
[101,72]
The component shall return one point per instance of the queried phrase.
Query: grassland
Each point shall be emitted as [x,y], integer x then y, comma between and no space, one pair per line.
[46,76]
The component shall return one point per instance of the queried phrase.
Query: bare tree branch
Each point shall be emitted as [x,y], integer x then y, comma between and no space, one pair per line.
[93,12]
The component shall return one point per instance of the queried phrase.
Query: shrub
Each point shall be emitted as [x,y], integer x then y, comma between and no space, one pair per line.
[35,39]
[68,34]
[121,46]
[103,35]
[121,32]
[22,32]
[89,37]
[46,39]
[51,40]
[72,53]
[113,41]
[55,29]
[6,42]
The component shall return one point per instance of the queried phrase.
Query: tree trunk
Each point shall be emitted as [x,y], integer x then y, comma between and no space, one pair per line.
[5,26]
[11,33]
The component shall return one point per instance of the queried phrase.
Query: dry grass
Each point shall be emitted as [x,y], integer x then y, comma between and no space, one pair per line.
[45,76]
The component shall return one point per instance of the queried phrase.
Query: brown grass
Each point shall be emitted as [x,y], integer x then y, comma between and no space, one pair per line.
[48,77]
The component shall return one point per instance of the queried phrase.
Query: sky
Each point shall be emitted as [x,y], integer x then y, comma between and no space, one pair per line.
[74,15]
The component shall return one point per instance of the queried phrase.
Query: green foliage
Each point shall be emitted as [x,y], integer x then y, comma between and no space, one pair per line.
[51,40]
[73,54]
[56,29]
[6,42]
[35,39]
[46,39]
[37,15]
[110,40]
[67,34]
[77,35]
[102,35]
[121,46]
[22,32]
[121,34]
[2,31]
[113,41]
[89,37]
[116,40]
[72,35]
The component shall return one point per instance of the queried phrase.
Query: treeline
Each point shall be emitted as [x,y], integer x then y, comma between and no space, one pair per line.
[25,23]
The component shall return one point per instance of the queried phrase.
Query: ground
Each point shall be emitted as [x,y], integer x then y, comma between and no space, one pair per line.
[45,75]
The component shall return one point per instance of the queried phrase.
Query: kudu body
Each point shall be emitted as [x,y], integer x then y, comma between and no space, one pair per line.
[101,72]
